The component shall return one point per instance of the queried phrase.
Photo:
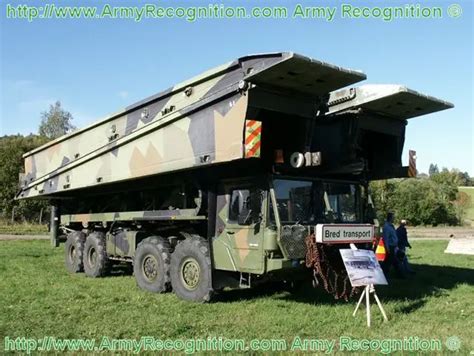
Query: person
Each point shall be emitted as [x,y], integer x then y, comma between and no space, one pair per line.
[391,244]
[403,244]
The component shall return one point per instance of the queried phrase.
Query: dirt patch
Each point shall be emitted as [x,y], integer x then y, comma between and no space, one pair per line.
[441,232]
[23,237]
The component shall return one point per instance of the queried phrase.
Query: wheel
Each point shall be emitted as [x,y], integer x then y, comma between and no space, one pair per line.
[191,270]
[74,251]
[151,264]
[96,262]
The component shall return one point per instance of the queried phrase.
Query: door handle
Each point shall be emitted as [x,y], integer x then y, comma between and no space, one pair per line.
[231,232]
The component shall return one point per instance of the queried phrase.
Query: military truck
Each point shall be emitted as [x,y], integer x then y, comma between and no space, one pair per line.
[219,180]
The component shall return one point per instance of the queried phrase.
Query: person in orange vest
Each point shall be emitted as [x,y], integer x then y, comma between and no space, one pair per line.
[403,244]
[391,245]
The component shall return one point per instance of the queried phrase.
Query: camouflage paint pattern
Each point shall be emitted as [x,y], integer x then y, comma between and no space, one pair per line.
[63,150]
[200,121]
[209,136]
[239,247]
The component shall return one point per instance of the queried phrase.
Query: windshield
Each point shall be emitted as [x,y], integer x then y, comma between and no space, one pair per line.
[315,201]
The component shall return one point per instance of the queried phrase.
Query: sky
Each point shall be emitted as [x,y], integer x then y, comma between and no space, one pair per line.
[96,67]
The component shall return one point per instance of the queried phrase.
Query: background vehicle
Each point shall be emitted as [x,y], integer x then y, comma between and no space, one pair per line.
[219,180]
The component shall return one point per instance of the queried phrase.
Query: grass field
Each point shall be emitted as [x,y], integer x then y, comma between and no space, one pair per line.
[470,211]
[39,298]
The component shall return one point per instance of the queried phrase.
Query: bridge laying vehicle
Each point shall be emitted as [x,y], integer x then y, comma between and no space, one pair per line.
[220,180]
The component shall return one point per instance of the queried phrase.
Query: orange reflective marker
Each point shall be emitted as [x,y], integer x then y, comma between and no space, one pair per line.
[380,252]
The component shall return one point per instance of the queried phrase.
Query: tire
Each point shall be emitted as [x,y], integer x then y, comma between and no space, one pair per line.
[151,264]
[96,262]
[74,251]
[191,276]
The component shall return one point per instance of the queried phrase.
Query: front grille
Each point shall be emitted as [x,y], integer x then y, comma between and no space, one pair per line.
[292,240]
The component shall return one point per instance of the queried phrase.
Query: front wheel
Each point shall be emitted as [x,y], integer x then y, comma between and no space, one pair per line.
[191,270]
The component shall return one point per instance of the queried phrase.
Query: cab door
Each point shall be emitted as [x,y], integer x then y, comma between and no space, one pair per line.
[238,242]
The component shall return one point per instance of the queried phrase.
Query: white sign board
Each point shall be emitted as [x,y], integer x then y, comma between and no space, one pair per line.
[362,267]
[344,233]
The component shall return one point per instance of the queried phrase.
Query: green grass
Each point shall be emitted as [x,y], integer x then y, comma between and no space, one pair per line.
[7,228]
[470,210]
[39,298]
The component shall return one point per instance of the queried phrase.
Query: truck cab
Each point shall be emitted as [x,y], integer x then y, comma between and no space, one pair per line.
[262,227]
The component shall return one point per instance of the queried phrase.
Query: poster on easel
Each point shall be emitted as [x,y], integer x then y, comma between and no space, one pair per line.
[362,267]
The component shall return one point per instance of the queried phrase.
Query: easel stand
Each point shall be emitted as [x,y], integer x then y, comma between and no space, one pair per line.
[366,293]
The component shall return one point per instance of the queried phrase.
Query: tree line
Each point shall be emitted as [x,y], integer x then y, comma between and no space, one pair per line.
[430,199]
[55,122]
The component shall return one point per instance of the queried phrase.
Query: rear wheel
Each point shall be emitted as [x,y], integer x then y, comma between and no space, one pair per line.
[191,270]
[151,264]
[96,262]
[74,251]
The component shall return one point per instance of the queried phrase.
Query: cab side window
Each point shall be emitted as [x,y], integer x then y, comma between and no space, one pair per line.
[245,206]
[239,201]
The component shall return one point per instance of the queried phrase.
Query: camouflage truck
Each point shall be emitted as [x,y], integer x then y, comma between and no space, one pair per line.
[219,181]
